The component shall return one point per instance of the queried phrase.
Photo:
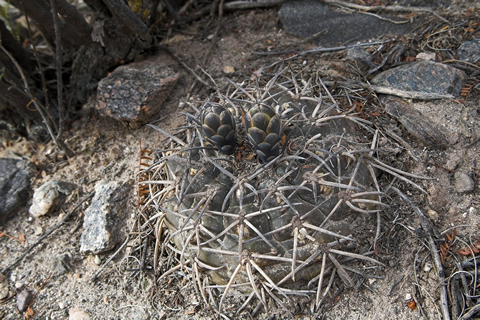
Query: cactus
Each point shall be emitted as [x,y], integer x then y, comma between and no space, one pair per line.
[276,230]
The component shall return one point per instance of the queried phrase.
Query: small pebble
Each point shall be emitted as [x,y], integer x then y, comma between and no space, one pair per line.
[38,230]
[463,182]
[427,267]
[432,214]
[18,285]
[426,56]
[408,297]
[77,314]
[23,300]
[61,305]
[3,289]
[97,260]
[228,69]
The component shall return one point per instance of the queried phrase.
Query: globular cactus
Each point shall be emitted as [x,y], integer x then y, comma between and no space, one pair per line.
[264,131]
[218,125]
[279,229]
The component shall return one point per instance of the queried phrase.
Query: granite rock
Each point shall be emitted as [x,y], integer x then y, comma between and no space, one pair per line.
[102,221]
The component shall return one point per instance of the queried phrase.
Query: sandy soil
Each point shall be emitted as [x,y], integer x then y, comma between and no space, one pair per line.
[108,150]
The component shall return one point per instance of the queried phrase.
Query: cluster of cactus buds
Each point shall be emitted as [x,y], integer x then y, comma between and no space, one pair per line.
[264,131]
[218,125]
[262,124]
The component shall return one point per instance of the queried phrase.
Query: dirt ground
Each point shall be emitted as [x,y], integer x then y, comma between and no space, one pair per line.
[109,150]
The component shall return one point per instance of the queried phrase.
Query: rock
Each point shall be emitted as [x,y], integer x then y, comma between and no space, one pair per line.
[463,182]
[361,58]
[77,314]
[417,124]
[306,18]
[135,93]
[23,300]
[48,196]
[228,69]
[469,51]
[101,224]
[14,185]
[137,314]
[426,56]
[61,264]
[4,290]
[423,76]
[432,214]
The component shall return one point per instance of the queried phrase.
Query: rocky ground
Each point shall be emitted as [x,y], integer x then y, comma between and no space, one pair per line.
[433,117]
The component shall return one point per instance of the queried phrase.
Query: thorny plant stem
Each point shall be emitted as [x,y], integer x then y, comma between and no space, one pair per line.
[38,106]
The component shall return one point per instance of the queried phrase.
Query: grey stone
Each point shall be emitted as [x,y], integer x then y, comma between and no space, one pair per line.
[423,76]
[23,300]
[136,92]
[416,124]
[48,196]
[463,182]
[4,290]
[61,264]
[14,185]
[102,219]
[306,18]
[469,51]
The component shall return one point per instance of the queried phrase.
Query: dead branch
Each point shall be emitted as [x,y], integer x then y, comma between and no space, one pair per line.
[434,252]
[38,106]
[58,67]
[394,8]
[409,94]
[126,17]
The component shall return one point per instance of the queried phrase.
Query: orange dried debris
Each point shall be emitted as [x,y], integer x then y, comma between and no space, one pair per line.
[20,239]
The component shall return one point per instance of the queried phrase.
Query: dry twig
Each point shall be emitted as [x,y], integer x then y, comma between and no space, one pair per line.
[434,252]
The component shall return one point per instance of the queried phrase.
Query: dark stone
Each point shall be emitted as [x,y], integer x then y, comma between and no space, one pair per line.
[417,124]
[423,76]
[23,300]
[469,51]
[102,221]
[135,92]
[306,18]
[14,185]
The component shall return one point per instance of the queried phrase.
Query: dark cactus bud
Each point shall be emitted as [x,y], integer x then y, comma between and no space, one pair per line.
[264,130]
[218,125]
